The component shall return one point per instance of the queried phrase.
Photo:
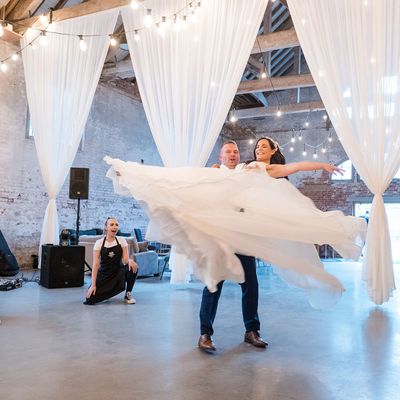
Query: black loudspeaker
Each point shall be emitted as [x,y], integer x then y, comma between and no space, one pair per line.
[79,183]
[62,266]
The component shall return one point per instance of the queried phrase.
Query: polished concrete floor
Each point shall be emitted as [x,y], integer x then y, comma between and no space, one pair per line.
[54,347]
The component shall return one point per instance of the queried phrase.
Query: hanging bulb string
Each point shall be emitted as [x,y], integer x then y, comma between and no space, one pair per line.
[160,19]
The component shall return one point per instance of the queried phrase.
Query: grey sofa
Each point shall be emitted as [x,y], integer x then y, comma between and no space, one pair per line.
[147,260]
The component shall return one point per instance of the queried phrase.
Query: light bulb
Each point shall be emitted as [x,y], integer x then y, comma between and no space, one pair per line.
[304,153]
[251,141]
[163,23]
[263,75]
[160,29]
[134,4]
[3,66]
[113,41]
[82,43]
[15,57]
[315,155]
[325,117]
[177,23]
[1,29]
[330,138]
[300,137]
[279,113]
[233,117]
[307,123]
[184,22]
[136,36]
[323,149]
[33,46]
[148,19]
[293,139]
[43,19]
[291,148]
[193,16]
[43,40]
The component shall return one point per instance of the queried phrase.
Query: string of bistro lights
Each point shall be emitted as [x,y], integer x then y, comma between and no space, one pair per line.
[179,20]
[297,134]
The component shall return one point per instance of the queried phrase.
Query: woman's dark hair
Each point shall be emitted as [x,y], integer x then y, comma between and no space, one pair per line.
[277,157]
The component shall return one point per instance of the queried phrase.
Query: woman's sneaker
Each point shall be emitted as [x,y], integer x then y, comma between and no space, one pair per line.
[129,299]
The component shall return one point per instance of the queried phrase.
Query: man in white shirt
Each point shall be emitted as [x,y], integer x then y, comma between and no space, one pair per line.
[229,158]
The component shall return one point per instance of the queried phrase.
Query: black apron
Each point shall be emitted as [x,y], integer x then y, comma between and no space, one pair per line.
[111,274]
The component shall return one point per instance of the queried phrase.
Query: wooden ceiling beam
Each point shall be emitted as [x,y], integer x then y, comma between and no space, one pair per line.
[295,108]
[89,7]
[278,83]
[275,40]
[22,9]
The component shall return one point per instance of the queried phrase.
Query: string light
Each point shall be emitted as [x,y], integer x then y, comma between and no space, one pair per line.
[43,40]
[330,137]
[148,19]
[279,113]
[315,155]
[251,141]
[325,117]
[323,148]
[293,139]
[300,137]
[291,148]
[307,124]
[82,43]
[304,153]
[113,41]
[43,19]
[15,57]
[3,66]
[263,75]
[134,4]
[233,118]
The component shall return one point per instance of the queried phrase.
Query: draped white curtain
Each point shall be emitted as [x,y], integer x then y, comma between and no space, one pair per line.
[61,81]
[188,79]
[353,51]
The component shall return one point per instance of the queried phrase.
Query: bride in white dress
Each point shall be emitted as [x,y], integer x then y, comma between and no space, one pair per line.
[210,214]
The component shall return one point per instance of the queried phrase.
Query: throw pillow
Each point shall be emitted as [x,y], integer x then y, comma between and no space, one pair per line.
[143,246]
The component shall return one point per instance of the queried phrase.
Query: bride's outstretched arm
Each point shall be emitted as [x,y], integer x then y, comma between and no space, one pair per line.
[279,171]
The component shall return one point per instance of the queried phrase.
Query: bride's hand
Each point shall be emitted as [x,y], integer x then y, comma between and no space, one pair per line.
[332,169]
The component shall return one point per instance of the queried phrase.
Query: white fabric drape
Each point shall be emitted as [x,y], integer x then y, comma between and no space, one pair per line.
[353,52]
[187,79]
[61,81]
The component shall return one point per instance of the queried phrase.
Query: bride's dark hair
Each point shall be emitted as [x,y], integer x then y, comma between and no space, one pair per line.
[277,157]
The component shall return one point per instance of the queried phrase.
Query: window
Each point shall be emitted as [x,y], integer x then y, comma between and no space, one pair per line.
[347,166]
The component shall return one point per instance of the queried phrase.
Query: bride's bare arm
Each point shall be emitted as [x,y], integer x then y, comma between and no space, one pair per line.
[279,171]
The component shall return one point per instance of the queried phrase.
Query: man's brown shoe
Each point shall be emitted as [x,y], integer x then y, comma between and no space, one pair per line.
[253,337]
[206,343]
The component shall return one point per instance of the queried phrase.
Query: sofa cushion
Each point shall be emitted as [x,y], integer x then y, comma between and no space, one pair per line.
[143,246]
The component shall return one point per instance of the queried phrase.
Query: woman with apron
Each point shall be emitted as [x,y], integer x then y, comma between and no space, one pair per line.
[113,270]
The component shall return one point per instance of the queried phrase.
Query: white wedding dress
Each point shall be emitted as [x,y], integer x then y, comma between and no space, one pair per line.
[210,214]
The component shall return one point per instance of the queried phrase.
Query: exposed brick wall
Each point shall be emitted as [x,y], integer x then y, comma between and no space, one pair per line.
[116,126]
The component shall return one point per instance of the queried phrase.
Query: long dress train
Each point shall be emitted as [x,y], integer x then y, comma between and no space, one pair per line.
[210,214]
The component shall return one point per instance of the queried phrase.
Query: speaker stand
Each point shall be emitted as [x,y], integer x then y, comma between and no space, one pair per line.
[78,214]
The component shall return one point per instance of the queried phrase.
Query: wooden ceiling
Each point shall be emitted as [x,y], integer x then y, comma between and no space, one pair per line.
[276,51]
